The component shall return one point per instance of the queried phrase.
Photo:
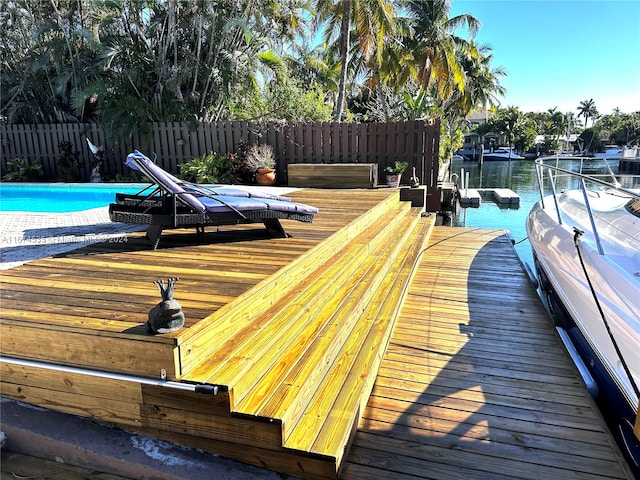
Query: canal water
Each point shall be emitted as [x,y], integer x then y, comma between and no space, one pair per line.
[519,176]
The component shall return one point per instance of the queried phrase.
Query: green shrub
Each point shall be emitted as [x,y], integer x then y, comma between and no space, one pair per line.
[22,170]
[69,163]
[211,168]
[396,168]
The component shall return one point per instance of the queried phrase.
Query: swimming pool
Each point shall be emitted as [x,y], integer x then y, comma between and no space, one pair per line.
[60,197]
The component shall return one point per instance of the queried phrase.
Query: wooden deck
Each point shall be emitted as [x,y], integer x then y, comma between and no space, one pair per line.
[289,333]
[292,333]
[475,383]
[98,298]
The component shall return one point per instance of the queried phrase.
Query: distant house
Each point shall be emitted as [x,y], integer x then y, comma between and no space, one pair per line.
[473,140]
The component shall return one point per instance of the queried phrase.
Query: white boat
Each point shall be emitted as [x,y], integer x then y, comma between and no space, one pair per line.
[586,249]
[501,153]
[611,152]
[498,153]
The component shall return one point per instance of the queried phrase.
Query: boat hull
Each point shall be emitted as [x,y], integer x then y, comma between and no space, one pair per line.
[499,154]
[565,288]
[501,157]
[618,412]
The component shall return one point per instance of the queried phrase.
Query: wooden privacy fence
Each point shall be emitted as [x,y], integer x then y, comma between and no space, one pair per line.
[174,143]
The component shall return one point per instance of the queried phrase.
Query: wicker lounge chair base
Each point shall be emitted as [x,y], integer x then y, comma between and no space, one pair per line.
[174,203]
[157,222]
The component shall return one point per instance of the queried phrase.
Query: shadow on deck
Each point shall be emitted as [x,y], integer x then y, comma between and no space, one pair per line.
[475,383]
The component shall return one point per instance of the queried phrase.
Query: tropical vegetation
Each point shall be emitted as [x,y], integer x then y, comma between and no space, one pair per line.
[396,168]
[212,168]
[23,170]
[522,129]
[128,62]
[587,109]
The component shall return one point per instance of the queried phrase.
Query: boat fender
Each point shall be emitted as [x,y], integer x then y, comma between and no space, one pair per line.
[588,380]
[542,277]
[532,278]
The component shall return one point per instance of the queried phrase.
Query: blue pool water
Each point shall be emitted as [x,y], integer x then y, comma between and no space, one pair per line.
[60,197]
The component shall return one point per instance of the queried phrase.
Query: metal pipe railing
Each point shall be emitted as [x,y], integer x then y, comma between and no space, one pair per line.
[589,178]
[197,388]
[555,171]
[587,205]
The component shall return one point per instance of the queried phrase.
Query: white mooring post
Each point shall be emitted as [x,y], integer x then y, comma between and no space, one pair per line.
[466,185]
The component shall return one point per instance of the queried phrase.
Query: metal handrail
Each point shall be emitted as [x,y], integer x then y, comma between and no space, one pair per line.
[540,163]
[583,179]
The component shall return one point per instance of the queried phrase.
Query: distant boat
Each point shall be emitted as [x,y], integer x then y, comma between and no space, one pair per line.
[498,153]
[501,153]
[611,152]
[586,249]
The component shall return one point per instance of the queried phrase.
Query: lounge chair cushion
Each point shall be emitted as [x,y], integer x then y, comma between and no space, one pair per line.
[165,179]
[238,192]
[218,203]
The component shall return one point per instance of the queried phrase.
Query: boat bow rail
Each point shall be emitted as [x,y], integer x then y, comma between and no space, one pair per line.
[591,185]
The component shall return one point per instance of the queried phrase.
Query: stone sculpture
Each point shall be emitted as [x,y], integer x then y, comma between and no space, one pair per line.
[166,316]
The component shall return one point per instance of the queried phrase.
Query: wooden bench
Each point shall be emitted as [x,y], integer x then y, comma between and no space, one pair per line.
[337,175]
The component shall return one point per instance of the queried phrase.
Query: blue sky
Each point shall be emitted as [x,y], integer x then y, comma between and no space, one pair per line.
[558,53]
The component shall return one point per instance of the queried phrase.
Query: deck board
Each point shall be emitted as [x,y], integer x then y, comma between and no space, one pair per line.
[105,290]
[475,384]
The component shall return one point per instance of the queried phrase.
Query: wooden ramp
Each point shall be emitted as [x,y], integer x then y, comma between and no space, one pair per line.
[475,383]
[289,333]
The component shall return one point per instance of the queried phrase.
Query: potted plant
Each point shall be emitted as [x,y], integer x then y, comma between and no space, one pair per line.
[394,173]
[259,159]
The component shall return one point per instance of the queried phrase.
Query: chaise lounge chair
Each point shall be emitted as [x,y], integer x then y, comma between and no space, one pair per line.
[174,203]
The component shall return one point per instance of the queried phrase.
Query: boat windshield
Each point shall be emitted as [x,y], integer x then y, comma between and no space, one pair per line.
[634,207]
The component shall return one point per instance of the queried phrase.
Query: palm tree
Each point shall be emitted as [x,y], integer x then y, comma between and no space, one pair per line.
[136,61]
[481,82]
[372,22]
[316,66]
[345,24]
[434,43]
[556,123]
[49,54]
[587,109]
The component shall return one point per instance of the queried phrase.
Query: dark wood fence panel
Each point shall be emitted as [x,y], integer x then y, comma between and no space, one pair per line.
[174,143]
